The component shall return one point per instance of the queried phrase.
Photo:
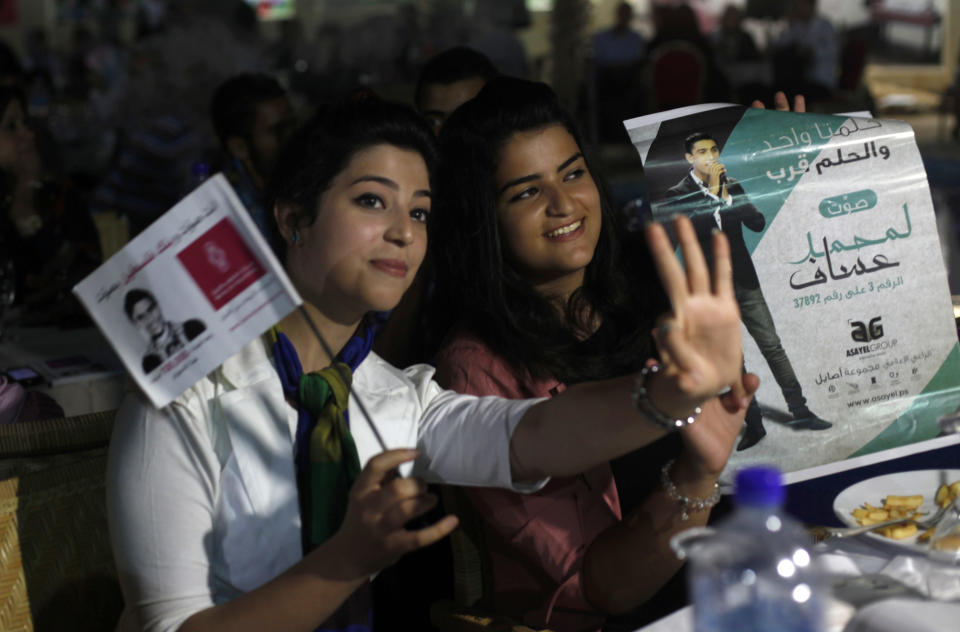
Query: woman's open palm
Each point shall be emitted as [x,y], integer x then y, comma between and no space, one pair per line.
[699,340]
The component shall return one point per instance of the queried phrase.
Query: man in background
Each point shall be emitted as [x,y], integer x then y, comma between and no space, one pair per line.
[449,80]
[446,81]
[251,116]
[806,55]
[619,45]
[618,54]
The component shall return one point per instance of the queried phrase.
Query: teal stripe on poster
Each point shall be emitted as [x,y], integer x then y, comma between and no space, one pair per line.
[919,422]
[768,152]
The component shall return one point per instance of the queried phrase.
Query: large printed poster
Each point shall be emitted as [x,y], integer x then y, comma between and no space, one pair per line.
[846,311]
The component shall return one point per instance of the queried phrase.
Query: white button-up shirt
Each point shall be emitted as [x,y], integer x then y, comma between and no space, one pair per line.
[202,494]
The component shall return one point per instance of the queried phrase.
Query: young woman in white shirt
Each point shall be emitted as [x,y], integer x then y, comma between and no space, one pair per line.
[203,499]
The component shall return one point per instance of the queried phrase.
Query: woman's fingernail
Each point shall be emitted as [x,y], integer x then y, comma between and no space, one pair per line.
[745,402]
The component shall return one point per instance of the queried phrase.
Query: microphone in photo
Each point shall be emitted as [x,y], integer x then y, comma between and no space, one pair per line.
[723,179]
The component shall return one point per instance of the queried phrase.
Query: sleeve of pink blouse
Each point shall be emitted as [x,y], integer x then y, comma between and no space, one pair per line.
[550,528]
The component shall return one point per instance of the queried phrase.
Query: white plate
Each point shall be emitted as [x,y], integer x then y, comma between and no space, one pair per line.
[874,490]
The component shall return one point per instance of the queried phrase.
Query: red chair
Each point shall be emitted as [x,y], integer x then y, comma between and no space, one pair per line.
[853,61]
[678,75]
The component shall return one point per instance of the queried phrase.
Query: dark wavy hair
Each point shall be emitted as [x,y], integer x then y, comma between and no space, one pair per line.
[134,296]
[325,144]
[233,108]
[10,93]
[480,289]
[8,180]
[452,65]
[695,138]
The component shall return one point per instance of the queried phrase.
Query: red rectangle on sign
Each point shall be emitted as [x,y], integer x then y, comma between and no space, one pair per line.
[221,264]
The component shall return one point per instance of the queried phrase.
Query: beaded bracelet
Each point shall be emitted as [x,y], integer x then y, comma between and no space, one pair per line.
[687,505]
[642,403]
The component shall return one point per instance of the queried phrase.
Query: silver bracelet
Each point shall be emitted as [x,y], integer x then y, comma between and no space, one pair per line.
[642,403]
[687,505]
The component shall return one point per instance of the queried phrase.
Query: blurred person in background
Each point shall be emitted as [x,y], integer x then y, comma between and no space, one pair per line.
[678,27]
[40,57]
[619,44]
[163,101]
[955,90]
[617,61]
[490,30]
[150,17]
[252,117]
[737,54]
[446,81]
[806,55]
[730,41]
[45,229]
[450,79]
[11,70]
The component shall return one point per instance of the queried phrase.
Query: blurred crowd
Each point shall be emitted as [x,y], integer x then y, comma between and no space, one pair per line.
[682,64]
[101,137]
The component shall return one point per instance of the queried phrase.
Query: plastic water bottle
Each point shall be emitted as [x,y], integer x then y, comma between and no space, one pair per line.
[755,573]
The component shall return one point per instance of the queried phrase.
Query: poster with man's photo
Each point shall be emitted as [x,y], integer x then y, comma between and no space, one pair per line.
[188,292]
[846,312]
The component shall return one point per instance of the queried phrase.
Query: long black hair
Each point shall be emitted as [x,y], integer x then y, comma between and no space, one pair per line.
[8,95]
[325,144]
[479,288]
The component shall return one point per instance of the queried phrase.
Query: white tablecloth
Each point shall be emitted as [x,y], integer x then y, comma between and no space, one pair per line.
[87,392]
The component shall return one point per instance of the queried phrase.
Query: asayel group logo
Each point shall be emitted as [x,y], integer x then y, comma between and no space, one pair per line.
[868,333]
[865,332]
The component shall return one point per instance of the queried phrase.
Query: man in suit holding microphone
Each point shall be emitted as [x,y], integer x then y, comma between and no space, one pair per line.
[714,201]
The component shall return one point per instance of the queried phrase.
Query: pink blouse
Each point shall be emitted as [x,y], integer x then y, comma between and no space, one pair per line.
[536,542]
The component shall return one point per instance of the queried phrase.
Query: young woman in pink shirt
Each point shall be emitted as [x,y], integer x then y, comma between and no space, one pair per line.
[540,292]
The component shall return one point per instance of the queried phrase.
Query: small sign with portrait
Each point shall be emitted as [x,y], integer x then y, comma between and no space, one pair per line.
[188,292]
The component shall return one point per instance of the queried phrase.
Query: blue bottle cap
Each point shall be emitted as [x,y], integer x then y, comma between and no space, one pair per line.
[760,486]
[200,169]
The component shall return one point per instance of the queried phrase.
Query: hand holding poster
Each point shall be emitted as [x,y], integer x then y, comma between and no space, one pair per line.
[188,292]
[837,269]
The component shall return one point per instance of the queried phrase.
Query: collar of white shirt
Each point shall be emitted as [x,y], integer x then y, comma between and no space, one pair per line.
[726,201]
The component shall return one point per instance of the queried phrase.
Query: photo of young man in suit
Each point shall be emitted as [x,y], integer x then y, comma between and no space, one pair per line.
[715,201]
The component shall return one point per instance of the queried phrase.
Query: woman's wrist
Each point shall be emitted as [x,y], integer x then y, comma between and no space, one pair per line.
[656,393]
[339,560]
[693,492]
[690,472]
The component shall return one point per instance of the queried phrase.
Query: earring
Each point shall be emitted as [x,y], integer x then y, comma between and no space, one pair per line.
[295,238]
